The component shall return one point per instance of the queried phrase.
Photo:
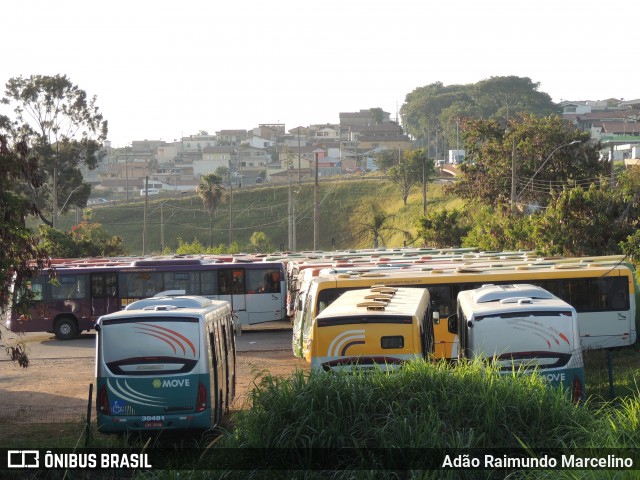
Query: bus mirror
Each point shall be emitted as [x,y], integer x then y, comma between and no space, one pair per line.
[452,323]
[436,318]
[96,327]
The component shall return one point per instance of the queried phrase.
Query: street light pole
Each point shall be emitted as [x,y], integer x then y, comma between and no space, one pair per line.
[545,162]
[316,207]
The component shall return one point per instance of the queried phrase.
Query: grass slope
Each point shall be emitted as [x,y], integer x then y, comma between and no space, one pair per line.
[264,209]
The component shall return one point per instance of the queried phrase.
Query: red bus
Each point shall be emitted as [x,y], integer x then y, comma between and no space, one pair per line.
[72,302]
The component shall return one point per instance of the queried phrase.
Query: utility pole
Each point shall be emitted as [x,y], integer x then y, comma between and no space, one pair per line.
[230,206]
[316,207]
[424,185]
[299,177]
[290,212]
[126,175]
[161,227]
[146,206]
[513,176]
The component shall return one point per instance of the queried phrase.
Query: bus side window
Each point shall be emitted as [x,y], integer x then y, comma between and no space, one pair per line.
[36,288]
[238,282]
[111,285]
[255,282]
[97,286]
[618,295]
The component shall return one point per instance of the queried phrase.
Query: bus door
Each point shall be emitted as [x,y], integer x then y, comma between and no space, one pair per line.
[231,287]
[104,293]
[443,301]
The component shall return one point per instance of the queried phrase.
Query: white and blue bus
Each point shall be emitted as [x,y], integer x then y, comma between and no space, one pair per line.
[165,363]
[524,327]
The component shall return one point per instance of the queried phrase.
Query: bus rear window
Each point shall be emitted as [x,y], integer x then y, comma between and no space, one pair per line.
[150,345]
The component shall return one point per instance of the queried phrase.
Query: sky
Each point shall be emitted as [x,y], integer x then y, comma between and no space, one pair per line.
[163,70]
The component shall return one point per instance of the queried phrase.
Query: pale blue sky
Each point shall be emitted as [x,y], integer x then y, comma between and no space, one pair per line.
[162,70]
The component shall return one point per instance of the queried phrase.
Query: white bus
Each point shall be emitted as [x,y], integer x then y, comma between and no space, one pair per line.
[378,327]
[165,363]
[524,327]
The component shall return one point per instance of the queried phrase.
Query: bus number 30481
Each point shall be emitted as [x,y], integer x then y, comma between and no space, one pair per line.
[152,418]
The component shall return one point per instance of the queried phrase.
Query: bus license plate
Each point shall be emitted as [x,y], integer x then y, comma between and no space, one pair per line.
[154,424]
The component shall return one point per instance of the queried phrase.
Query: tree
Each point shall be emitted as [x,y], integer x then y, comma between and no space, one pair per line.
[502,98]
[260,242]
[211,192]
[223,172]
[593,221]
[443,228]
[20,254]
[496,229]
[437,108]
[545,160]
[412,168]
[385,159]
[66,131]
[372,225]
[87,239]
[378,115]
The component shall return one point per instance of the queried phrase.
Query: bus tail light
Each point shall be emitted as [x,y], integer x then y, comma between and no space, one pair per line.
[103,401]
[201,398]
[577,390]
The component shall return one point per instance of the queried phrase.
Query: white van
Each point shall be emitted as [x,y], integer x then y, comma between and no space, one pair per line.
[152,191]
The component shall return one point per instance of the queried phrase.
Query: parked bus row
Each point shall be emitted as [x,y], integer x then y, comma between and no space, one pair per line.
[603,290]
[78,295]
[518,328]
[255,285]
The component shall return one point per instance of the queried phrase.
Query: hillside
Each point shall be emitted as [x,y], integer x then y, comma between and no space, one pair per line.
[264,209]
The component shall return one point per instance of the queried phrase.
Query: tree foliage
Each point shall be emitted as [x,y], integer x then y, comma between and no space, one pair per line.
[372,225]
[65,129]
[21,256]
[412,168]
[211,191]
[260,242]
[495,229]
[196,247]
[437,107]
[443,228]
[385,159]
[592,221]
[87,239]
[544,156]
[598,220]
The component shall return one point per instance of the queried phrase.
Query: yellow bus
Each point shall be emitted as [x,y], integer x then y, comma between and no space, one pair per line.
[603,293]
[379,327]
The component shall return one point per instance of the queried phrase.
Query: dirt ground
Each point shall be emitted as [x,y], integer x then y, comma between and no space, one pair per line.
[50,382]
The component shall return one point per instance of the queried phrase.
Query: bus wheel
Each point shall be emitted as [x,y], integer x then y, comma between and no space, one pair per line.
[65,329]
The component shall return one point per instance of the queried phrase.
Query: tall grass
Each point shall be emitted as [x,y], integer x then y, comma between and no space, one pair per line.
[423,409]
[430,406]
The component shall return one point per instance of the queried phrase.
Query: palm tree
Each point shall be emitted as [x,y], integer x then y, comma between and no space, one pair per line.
[373,224]
[211,191]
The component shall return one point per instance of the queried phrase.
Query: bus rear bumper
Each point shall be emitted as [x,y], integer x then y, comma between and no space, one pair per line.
[137,423]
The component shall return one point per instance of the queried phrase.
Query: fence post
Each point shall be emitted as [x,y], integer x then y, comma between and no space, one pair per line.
[87,428]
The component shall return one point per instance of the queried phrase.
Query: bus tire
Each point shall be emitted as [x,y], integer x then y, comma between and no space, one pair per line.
[65,328]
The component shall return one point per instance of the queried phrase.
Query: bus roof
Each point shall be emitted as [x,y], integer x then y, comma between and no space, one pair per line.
[378,301]
[489,274]
[495,293]
[187,301]
[509,298]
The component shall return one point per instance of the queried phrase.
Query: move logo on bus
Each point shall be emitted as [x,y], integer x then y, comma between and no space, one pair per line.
[157,383]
